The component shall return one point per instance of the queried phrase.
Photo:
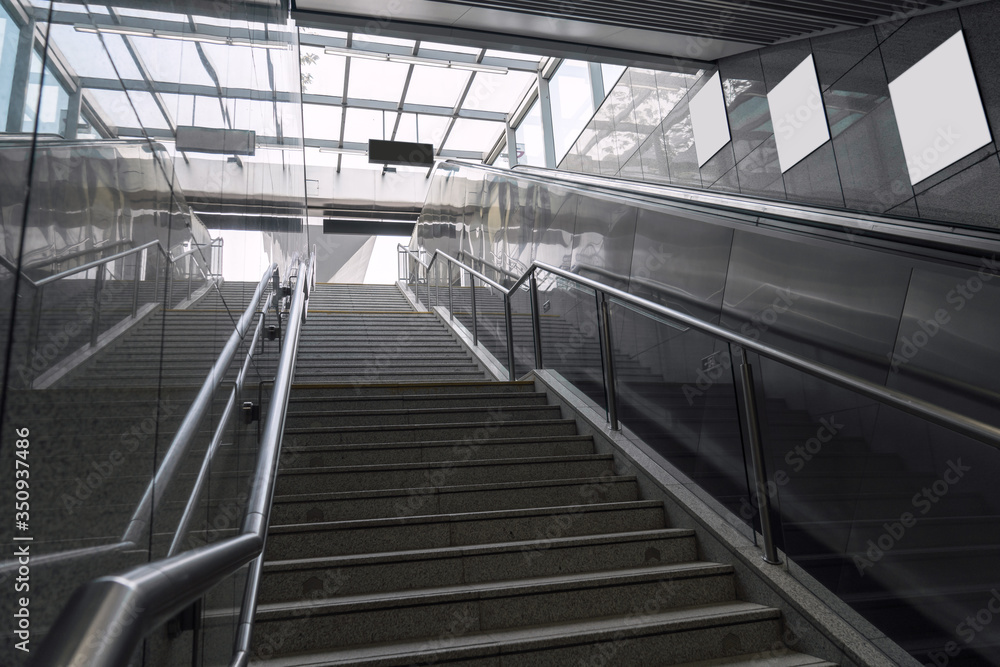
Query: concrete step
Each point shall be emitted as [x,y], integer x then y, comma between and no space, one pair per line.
[417,401]
[434,451]
[312,391]
[451,499]
[436,531]
[411,416]
[493,606]
[470,432]
[289,580]
[429,474]
[674,636]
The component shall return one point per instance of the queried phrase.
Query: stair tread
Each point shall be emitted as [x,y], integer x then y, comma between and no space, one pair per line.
[380,467]
[493,643]
[497,589]
[455,488]
[465,516]
[474,549]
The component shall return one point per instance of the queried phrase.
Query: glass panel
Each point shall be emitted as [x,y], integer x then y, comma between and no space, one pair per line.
[322,73]
[895,516]
[498,92]
[524,340]
[373,80]
[491,321]
[611,74]
[53,104]
[422,128]
[571,342]
[364,124]
[473,135]
[436,86]
[572,103]
[529,133]
[676,392]
[321,121]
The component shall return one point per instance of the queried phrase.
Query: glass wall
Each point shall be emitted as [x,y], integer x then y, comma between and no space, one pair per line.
[895,515]
[110,274]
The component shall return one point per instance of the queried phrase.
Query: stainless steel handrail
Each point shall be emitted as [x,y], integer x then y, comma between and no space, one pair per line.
[950,236]
[259,507]
[106,619]
[954,421]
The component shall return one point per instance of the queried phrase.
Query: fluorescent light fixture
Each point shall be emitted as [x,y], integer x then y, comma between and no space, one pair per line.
[344,151]
[180,36]
[354,53]
[413,60]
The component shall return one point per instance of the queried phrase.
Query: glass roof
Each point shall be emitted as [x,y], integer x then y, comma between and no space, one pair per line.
[401,89]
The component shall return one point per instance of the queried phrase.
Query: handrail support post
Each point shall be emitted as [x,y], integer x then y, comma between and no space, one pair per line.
[611,393]
[509,322]
[475,324]
[536,319]
[451,295]
[757,457]
[95,324]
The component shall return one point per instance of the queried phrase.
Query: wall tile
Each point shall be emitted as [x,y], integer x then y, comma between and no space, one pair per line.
[654,158]
[679,143]
[759,173]
[632,169]
[815,179]
[956,168]
[728,182]
[720,164]
[779,61]
[907,208]
[921,35]
[981,24]
[835,55]
[746,102]
[885,30]
[969,197]
[866,142]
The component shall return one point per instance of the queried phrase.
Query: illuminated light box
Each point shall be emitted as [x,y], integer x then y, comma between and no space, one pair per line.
[798,115]
[938,110]
[709,120]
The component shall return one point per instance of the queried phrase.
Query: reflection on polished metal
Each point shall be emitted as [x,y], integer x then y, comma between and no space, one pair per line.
[475,324]
[757,456]
[608,354]
[536,320]
[145,597]
[451,296]
[509,324]
[964,239]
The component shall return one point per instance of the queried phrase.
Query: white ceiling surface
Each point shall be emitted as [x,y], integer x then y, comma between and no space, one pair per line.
[545,28]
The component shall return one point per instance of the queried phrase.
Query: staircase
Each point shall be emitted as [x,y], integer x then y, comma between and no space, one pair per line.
[423,515]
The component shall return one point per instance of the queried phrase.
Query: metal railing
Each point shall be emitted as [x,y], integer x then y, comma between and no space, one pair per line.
[605,295]
[120,610]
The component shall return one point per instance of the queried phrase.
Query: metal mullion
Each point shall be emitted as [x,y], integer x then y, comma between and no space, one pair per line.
[343,106]
[459,103]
